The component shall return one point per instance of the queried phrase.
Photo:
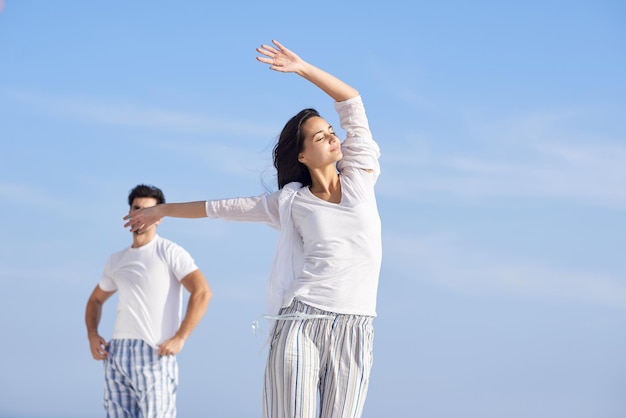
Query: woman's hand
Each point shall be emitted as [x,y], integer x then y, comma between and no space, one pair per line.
[283,60]
[280,58]
[142,219]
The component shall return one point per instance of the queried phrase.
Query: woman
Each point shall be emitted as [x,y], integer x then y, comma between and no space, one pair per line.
[324,280]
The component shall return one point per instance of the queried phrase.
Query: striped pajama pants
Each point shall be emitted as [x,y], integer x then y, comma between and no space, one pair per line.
[318,367]
[139,383]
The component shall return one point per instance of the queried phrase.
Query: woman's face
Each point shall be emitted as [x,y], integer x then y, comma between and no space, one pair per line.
[321,145]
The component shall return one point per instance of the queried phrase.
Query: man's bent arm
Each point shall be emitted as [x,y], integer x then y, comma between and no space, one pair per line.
[199,296]
[93,312]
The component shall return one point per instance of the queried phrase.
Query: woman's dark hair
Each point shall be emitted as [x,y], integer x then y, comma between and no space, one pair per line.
[143,190]
[290,144]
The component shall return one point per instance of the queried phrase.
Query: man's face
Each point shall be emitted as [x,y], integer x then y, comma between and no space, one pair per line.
[140,203]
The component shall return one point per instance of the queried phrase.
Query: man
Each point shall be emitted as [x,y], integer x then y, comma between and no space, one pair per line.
[141,372]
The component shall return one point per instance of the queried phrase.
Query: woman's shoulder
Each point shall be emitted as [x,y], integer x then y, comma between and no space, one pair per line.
[292,187]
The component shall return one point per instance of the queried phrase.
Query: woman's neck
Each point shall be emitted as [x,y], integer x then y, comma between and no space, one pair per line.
[326,185]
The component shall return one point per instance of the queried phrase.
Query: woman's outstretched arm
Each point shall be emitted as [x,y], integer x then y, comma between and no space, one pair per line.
[146,217]
[263,208]
[283,60]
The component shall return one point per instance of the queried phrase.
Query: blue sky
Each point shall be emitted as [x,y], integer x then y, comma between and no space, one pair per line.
[503,137]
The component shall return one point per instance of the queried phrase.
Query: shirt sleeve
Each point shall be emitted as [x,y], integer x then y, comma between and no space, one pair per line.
[181,262]
[359,148]
[106,282]
[263,208]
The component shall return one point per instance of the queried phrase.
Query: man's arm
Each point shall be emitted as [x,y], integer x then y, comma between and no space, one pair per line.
[93,312]
[199,296]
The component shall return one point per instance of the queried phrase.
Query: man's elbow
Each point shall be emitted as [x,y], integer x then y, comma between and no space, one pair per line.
[204,295]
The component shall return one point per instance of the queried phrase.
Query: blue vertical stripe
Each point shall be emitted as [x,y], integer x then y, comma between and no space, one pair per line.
[139,382]
[318,367]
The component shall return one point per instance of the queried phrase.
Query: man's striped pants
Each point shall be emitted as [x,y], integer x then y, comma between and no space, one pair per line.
[139,383]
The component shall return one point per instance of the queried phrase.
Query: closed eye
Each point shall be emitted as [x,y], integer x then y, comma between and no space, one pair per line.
[321,138]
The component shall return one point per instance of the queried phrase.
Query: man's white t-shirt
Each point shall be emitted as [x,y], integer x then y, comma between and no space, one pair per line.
[148,283]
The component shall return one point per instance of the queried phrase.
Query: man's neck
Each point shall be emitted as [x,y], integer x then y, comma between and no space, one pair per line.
[139,240]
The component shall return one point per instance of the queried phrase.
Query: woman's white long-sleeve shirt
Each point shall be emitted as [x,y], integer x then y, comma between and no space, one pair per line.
[328,255]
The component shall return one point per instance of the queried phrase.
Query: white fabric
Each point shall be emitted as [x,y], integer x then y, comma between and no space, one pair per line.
[328,255]
[275,210]
[318,368]
[148,283]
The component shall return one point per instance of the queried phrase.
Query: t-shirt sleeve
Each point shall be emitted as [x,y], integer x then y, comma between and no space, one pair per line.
[359,148]
[106,282]
[263,208]
[181,262]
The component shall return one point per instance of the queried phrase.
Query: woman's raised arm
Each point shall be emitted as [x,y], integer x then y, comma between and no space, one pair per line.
[284,60]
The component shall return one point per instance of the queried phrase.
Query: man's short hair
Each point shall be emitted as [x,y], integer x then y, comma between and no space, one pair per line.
[143,190]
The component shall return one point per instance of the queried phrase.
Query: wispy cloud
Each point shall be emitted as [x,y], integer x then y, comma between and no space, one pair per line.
[30,195]
[452,263]
[229,158]
[137,115]
[66,271]
[531,157]
[74,203]
[235,158]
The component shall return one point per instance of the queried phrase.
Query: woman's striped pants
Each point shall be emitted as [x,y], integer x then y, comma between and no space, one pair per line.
[318,367]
